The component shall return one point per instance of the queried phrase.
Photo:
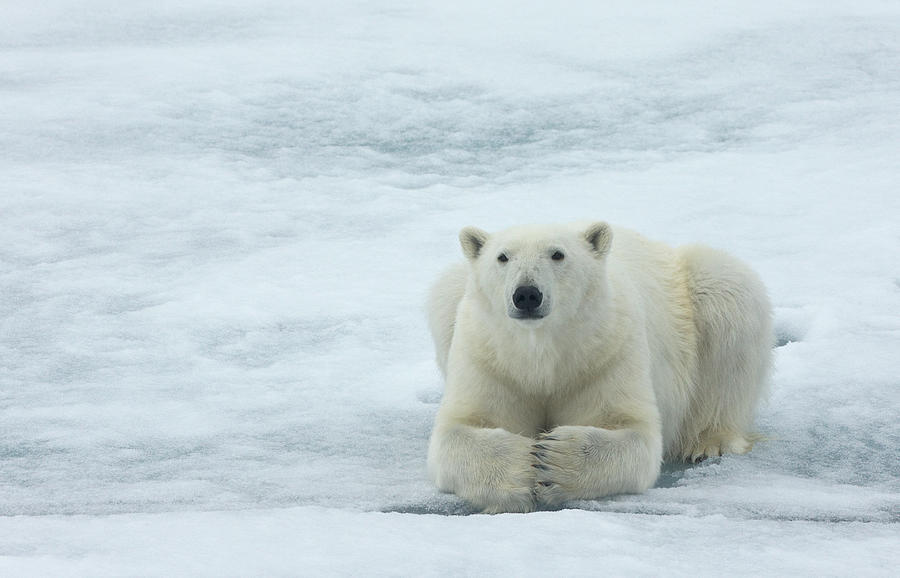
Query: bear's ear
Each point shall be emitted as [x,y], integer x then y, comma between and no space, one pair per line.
[599,237]
[472,240]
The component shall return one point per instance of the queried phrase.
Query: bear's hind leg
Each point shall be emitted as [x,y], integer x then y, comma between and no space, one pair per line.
[443,299]
[714,444]
[734,325]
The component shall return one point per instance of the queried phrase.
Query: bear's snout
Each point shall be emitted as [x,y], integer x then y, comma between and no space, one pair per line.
[527,298]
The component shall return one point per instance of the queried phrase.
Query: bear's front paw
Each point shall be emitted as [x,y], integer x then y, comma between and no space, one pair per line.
[507,484]
[513,493]
[510,500]
[561,463]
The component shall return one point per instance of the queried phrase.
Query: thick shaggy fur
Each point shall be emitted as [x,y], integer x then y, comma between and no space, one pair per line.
[641,352]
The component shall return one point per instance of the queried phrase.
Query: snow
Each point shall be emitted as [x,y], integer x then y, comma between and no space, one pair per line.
[317,541]
[218,222]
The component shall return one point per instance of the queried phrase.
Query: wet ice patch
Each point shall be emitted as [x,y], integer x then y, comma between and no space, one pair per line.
[791,324]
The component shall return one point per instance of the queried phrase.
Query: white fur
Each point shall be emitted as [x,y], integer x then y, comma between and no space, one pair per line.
[643,352]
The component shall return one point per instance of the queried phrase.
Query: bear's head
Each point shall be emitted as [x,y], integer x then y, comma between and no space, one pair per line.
[537,274]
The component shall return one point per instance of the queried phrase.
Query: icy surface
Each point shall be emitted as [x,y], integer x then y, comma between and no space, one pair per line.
[218,221]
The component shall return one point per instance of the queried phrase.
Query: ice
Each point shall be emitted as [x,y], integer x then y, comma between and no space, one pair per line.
[218,222]
[318,541]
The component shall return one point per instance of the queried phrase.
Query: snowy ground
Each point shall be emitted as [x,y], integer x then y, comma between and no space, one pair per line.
[218,221]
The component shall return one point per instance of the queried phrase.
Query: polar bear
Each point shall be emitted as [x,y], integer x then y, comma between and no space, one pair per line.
[577,357]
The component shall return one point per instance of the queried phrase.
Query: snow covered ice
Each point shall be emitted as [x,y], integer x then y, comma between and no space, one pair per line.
[218,222]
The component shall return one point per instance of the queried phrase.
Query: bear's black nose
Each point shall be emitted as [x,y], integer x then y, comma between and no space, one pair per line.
[527,298]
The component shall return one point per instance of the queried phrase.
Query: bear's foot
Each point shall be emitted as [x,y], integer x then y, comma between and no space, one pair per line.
[717,444]
[585,463]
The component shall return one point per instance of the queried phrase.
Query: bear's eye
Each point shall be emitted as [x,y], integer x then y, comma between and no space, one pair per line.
[557,256]
[502,258]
